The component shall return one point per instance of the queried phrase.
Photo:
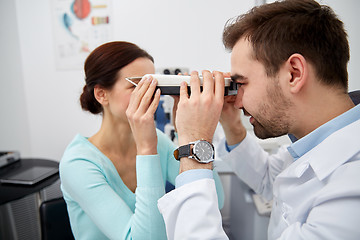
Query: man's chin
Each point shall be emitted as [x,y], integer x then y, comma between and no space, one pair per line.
[262,133]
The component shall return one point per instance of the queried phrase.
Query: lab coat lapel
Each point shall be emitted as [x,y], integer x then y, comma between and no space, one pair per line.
[324,158]
[336,150]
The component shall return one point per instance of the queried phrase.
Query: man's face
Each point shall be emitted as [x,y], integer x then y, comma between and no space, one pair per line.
[261,97]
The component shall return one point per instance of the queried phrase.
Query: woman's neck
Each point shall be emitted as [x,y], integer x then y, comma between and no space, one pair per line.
[114,139]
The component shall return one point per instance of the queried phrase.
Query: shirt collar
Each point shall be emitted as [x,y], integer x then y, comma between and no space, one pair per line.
[305,144]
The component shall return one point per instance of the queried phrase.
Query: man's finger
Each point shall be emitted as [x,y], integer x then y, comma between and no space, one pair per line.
[195,84]
[183,91]
[219,84]
[208,82]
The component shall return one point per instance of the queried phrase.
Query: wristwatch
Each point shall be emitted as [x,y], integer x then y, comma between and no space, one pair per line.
[202,151]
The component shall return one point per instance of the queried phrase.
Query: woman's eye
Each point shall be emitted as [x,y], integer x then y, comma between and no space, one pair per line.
[239,84]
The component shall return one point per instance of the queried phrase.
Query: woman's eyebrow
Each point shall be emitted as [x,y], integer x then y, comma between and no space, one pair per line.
[133,80]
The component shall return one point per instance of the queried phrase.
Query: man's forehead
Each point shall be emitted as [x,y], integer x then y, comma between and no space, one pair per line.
[238,57]
[242,50]
[242,47]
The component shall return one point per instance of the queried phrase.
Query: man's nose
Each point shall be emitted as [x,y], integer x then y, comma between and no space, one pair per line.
[238,101]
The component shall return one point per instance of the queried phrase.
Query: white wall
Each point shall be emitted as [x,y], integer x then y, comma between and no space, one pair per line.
[14,126]
[177,33]
[39,106]
[348,11]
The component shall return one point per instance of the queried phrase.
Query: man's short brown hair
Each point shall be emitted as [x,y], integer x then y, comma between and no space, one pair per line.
[280,29]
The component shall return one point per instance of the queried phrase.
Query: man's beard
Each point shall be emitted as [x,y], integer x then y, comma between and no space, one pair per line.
[269,128]
[272,119]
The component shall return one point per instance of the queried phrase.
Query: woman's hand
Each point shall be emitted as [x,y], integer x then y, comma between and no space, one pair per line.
[140,113]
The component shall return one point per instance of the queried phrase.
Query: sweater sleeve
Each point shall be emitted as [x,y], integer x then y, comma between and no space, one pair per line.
[150,187]
[88,186]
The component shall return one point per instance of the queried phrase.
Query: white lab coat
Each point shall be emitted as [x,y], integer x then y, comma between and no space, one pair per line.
[315,197]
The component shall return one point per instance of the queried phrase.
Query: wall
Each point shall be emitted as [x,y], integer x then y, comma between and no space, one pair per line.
[39,106]
[177,33]
[14,127]
[348,11]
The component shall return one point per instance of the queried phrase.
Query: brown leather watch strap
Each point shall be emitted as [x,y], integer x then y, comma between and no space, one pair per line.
[182,151]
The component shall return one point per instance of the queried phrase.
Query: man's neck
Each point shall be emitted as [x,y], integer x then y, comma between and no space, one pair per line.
[318,108]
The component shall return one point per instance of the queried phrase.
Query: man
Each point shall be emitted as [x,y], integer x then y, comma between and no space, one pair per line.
[290,60]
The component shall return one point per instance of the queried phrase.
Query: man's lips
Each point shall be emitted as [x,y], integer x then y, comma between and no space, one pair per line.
[252,119]
[246,113]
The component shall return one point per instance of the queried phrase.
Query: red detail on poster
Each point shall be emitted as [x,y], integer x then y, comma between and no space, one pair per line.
[81,8]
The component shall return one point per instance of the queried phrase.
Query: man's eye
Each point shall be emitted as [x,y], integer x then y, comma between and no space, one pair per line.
[239,84]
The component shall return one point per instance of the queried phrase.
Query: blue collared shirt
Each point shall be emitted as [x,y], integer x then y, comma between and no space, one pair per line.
[297,149]
[305,144]
[192,175]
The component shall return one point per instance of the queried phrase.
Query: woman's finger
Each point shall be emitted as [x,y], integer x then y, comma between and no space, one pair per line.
[136,96]
[155,103]
[147,95]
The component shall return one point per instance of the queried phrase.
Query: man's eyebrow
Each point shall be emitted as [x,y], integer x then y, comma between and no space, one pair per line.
[237,77]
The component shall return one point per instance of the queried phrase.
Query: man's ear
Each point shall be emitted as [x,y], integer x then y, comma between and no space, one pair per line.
[100,95]
[298,68]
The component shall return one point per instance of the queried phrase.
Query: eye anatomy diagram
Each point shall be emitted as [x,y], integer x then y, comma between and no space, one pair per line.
[80,26]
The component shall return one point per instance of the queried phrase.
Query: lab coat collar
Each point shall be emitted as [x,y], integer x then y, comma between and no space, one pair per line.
[336,150]
[327,156]
[306,143]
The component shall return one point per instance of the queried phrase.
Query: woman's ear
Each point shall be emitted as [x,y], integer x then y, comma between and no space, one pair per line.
[298,68]
[100,95]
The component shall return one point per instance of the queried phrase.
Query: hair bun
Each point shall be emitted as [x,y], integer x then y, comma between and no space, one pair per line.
[88,101]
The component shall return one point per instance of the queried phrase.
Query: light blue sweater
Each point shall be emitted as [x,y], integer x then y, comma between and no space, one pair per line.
[101,206]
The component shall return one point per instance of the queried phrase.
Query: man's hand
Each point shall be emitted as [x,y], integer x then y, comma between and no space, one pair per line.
[230,120]
[197,116]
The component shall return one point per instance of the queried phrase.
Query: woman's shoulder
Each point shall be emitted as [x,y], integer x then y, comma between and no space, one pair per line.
[81,149]
[164,139]
[79,144]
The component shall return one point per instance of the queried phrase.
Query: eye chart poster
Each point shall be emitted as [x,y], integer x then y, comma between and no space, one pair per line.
[79,27]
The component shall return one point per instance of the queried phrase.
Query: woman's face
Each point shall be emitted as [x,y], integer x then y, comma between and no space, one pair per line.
[119,95]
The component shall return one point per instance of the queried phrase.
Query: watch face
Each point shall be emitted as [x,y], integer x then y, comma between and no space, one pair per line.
[203,150]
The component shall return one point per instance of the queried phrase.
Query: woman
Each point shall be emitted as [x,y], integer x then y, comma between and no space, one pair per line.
[111,189]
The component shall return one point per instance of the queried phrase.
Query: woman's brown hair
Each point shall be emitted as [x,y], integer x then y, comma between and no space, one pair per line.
[102,67]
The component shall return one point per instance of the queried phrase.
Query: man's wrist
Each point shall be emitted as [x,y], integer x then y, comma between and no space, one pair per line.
[190,164]
[192,175]
[235,136]
[186,138]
